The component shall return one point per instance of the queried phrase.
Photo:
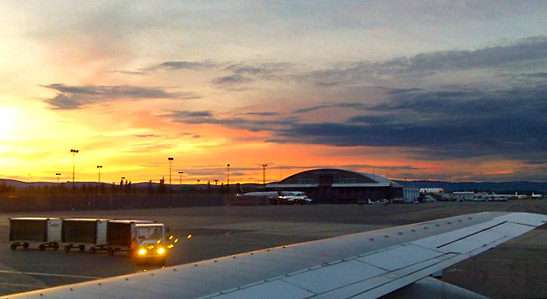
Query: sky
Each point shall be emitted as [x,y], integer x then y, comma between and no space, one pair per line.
[438,90]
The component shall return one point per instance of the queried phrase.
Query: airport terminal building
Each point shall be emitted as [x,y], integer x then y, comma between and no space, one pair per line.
[340,186]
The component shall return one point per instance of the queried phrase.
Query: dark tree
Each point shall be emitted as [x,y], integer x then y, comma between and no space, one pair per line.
[150,187]
[161,187]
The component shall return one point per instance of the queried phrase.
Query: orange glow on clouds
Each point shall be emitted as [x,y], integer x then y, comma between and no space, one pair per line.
[131,87]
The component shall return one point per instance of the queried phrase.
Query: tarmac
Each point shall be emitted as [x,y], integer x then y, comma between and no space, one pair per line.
[515,269]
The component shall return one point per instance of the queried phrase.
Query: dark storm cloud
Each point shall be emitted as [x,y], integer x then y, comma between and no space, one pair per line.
[536,75]
[208,117]
[232,80]
[358,106]
[262,70]
[198,114]
[262,113]
[74,97]
[441,124]
[244,73]
[527,50]
[181,65]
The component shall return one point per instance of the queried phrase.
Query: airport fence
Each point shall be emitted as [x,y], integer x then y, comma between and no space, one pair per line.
[53,202]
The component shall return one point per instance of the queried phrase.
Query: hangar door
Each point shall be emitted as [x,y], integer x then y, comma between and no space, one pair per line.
[326,180]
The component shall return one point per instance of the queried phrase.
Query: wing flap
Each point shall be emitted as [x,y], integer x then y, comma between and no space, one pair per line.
[400,257]
[277,289]
[326,278]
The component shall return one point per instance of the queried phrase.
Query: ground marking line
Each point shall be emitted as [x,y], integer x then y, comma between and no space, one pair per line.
[49,274]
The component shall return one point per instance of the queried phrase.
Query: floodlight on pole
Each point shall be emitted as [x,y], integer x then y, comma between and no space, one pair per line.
[58,186]
[180,180]
[73,152]
[228,171]
[180,173]
[264,173]
[170,163]
[99,186]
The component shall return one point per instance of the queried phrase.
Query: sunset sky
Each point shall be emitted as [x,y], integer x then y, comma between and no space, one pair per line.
[441,90]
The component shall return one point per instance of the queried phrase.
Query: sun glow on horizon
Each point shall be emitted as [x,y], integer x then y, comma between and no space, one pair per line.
[8,117]
[130,87]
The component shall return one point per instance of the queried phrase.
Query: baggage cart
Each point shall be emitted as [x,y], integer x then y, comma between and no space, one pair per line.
[42,231]
[84,232]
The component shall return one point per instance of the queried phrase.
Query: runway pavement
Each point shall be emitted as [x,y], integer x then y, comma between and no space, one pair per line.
[516,269]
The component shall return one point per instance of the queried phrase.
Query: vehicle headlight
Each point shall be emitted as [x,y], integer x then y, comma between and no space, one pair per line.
[161,250]
[142,251]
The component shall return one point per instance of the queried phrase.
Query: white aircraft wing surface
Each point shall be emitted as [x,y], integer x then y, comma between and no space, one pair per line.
[362,265]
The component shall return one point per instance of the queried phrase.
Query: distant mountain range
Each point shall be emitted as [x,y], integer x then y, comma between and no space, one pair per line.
[522,187]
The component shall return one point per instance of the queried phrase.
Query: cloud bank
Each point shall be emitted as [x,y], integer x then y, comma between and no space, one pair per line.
[441,124]
[533,49]
[75,97]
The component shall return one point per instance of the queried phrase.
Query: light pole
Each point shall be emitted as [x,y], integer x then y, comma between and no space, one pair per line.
[170,162]
[180,180]
[122,186]
[73,152]
[264,174]
[58,186]
[228,171]
[228,180]
[99,185]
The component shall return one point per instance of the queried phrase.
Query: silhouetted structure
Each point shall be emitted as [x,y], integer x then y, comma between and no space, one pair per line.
[340,186]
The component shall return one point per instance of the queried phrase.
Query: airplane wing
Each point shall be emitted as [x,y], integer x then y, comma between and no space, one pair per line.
[362,265]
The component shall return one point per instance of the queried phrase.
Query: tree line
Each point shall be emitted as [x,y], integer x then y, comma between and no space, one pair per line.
[124,187]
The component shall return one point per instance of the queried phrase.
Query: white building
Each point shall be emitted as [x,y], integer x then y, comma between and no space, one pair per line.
[410,195]
[431,190]
[464,196]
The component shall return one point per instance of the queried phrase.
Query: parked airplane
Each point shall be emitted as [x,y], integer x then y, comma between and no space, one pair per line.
[266,194]
[378,202]
[294,199]
[505,197]
[281,197]
[397,261]
[373,202]
[540,196]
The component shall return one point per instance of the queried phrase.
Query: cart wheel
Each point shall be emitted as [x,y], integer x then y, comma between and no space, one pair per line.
[13,246]
[81,247]
[92,250]
[25,245]
[111,251]
[67,248]
[42,247]
[55,246]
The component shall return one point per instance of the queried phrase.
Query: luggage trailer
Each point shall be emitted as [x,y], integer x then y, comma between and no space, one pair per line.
[42,231]
[84,232]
